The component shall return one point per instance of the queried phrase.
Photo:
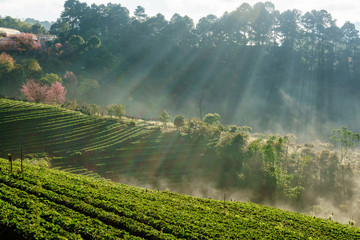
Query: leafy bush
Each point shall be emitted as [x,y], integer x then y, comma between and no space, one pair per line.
[212,119]
[179,121]
[132,123]
[50,78]
[117,110]
[164,118]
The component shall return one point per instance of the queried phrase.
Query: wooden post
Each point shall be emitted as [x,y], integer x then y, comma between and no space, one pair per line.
[224,200]
[10,160]
[21,160]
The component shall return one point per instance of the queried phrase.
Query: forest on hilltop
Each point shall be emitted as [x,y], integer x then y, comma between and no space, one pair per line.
[281,71]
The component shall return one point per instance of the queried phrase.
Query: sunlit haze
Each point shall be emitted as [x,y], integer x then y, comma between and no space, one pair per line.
[346,10]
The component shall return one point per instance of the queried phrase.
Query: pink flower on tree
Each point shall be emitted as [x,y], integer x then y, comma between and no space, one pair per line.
[34,91]
[56,94]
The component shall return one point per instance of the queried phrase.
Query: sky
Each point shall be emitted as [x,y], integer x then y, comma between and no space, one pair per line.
[342,11]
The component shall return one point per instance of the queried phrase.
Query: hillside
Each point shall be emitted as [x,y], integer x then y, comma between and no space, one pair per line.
[202,160]
[42,203]
[92,145]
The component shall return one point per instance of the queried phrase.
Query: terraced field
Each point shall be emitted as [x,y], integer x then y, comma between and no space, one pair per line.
[63,134]
[91,145]
[42,203]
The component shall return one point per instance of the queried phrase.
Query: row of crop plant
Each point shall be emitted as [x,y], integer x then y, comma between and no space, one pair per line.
[43,203]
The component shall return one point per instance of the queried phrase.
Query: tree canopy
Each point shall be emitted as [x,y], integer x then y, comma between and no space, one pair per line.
[289,67]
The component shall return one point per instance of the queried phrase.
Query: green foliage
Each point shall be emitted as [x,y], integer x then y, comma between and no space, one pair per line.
[15,23]
[77,43]
[70,104]
[345,138]
[245,129]
[90,109]
[179,121]
[93,42]
[282,40]
[6,64]
[164,118]
[132,123]
[37,29]
[274,168]
[117,110]
[212,119]
[54,204]
[32,69]
[86,86]
[50,78]
[294,193]
[50,127]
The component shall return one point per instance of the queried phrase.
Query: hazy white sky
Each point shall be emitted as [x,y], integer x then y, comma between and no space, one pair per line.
[50,9]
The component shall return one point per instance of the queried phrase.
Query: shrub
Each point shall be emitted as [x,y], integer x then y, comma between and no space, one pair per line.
[117,110]
[164,118]
[73,105]
[179,121]
[50,78]
[212,119]
[90,109]
[132,123]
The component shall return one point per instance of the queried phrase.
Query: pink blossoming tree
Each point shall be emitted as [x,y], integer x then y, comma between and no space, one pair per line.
[36,92]
[56,94]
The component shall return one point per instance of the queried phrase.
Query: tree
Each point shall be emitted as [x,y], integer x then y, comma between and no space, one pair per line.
[34,91]
[25,42]
[6,63]
[200,105]
[93,42]
[117,110]
[71,82]
[289,28]
[77,43]
[164,118]
[140,14]
[179,121]
[212,119]
[90,109]
[86,86]
[37,92]
[230,150]
[55,94]
[37,29]
[346,138]
[70,76]
[32,69]
[50,78]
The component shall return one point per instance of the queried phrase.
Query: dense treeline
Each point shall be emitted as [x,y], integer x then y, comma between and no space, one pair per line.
[290,68]
[249,61]
[275,169]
